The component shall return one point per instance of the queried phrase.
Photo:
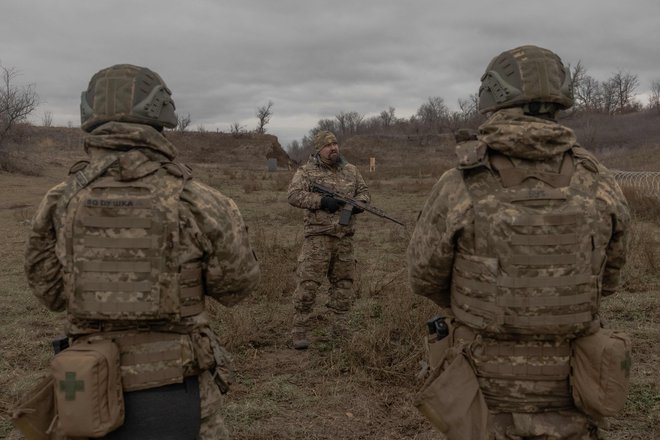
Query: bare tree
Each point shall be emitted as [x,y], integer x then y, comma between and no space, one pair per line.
[326,124]
[433,113]
[349,122]
[47,119]
[623,86]
[468,114]
[264,114]
[654,99]
[578,73]
[297,150]
[387,117]
[588,94]
[16,103]
[608,96]
[237,130]
[182,122]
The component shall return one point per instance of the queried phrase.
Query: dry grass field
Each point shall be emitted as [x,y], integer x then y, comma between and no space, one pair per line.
[357,380]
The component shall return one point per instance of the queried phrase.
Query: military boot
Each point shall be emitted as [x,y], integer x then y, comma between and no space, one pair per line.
[299,339]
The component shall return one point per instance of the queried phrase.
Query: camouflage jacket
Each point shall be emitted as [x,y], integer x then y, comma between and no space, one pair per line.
[446,224]
[345,179]
[211,229]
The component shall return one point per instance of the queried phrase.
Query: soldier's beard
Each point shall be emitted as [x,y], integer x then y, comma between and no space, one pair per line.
[332,159]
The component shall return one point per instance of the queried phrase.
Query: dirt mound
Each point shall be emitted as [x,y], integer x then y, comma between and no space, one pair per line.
[62,146]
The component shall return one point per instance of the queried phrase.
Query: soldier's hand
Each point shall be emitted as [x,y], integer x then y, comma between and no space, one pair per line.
[331,205]
[357,210]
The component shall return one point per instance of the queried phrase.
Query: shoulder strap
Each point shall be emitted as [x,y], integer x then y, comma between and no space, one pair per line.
[586,158]
[74,183]
[178,169]
[82,177]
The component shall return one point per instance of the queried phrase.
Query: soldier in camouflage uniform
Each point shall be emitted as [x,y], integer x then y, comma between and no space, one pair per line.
[327,249]
[129,245]
[517,245]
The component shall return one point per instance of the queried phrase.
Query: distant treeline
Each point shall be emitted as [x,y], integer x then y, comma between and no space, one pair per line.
[596,105]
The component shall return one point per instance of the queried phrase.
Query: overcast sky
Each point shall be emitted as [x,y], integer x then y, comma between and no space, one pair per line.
[313,59]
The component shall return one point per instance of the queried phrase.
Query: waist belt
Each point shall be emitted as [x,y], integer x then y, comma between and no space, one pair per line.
[523,376]
[151,359]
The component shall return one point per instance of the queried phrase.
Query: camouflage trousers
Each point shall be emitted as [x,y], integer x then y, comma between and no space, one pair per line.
[322,257]
[213,425]
[555,425]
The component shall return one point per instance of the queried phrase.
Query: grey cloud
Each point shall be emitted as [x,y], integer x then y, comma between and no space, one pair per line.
[312,58]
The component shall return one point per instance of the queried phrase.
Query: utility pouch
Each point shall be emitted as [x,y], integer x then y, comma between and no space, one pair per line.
[600,372]
[452,400]
[223,369]
[34,415]
[87,388]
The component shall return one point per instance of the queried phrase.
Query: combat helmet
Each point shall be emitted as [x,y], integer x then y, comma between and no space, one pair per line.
[524,76]
[127,93]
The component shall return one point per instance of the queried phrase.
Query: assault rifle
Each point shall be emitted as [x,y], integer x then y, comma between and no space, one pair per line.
[349,203]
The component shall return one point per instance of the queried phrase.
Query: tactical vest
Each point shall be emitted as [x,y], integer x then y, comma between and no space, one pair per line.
[536,269]
[122,252]
[532,283]
[123,272]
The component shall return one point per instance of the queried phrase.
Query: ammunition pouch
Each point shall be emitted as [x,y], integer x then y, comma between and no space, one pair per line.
[34,415]
[600,372]
[451,399]
[88,390]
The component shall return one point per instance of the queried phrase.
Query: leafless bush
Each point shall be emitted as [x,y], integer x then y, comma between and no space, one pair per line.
[17,163]
[641,269]
[596,131]
[47,119]
[16,103]
[237,130]
[183,122]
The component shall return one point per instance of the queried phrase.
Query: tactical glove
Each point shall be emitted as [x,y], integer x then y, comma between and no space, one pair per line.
[331,205]
[357,210]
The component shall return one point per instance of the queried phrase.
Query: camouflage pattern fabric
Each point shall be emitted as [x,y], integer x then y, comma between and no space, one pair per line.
[446,223]
[324,138]
[322,256]
[327,249]
[344,178]
[446,229]
[127,93]
[213,425]
[211,226]
[211,235]
[554,425]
